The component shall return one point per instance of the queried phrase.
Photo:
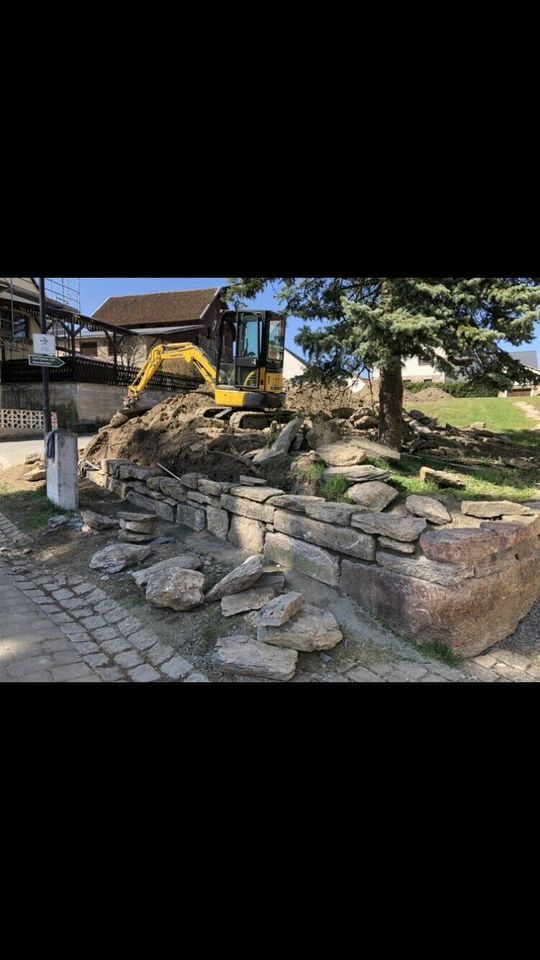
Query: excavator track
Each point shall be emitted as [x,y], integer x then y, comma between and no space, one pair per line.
[247,419]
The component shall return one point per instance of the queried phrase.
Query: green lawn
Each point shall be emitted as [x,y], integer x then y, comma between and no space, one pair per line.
[532,401]
[28,509]
[499,414]
[487,483]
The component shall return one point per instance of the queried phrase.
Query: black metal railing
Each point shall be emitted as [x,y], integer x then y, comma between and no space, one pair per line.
[85,370]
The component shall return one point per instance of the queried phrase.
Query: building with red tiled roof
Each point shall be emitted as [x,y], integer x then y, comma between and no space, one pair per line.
[183,316]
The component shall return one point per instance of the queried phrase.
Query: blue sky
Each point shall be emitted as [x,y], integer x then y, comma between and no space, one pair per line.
[95,290]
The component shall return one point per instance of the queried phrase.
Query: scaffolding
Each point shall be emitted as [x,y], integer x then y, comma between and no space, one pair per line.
[64,290]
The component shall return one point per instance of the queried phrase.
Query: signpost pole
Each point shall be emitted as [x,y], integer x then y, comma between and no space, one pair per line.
[45,370]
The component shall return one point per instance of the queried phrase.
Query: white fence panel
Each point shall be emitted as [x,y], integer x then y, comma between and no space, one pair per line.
[21,420]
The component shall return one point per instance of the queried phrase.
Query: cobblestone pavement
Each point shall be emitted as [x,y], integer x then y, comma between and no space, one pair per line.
[64,629]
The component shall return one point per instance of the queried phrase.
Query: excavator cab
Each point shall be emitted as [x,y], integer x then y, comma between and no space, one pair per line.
[250,360]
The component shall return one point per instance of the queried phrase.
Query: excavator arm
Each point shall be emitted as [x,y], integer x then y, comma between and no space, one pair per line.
[170,351]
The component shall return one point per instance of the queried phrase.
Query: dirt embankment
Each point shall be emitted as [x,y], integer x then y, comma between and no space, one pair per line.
[313,398]
[177,435]
[428,395]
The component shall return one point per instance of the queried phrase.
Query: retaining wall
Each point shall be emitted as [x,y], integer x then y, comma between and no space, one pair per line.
[464,588]
[79,406]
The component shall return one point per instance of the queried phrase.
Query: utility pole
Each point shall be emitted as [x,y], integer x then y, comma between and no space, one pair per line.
[44,370]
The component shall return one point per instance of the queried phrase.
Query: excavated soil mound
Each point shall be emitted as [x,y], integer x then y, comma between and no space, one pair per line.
[176,435]
[429,395]
[312,398]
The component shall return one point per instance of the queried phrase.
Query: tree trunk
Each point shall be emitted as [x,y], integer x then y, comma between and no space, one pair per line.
[391,403]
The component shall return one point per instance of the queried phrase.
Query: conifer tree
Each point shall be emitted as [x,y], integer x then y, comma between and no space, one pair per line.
[359,323]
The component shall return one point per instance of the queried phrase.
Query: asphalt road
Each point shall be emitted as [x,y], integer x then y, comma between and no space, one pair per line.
[13,452]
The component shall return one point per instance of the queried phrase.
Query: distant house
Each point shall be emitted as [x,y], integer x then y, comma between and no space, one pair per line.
[416,369]
[294,366]
[529,358]
[190,316]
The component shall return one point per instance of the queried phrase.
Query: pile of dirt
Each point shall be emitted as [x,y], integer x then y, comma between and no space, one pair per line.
[176,435]
[14,476]
[429,395]
[313,398]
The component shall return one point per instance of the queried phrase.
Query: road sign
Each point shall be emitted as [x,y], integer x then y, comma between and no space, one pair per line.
[38,360]
[44,345]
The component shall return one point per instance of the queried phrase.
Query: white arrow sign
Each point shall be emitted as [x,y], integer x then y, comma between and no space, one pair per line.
[44,345]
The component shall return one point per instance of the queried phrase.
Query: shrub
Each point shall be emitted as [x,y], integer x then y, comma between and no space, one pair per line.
[469,388]
[458,388]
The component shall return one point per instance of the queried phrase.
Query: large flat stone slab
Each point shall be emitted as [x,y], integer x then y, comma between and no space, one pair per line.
[467,619]
[378,450]
[342,454]
[447,574]
[119,557]
[337,513]
[459,546]
[248,657]
[310,560]
[211,488]
[247,534]
[186,561]
[513,534]
[310,630]
[97,521]
[131,471]
[279,611]
[401,547]
[166,511]
[491,510]
[340,539]
[257,493]
[428,508]
[192,517]
[247,508]
[295,503]
[218,522]
[363,474]
[172,488]
[269,586]
[175,589]
[242,578]
[389,525]
[373,495]
[146,503]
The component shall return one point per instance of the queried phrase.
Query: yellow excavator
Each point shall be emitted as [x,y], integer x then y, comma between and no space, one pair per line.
[248,377]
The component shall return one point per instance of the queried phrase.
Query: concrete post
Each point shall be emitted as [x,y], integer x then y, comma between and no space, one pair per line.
[62,480]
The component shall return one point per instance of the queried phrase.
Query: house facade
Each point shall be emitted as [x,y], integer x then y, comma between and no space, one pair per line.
[293,365]
[416,369]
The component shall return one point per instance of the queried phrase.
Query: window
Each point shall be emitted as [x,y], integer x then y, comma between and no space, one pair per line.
[15,327]
[276,344]
[89,350]
[20,328]
[249,350]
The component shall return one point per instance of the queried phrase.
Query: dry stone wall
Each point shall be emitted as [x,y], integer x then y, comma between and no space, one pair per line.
[464,588]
